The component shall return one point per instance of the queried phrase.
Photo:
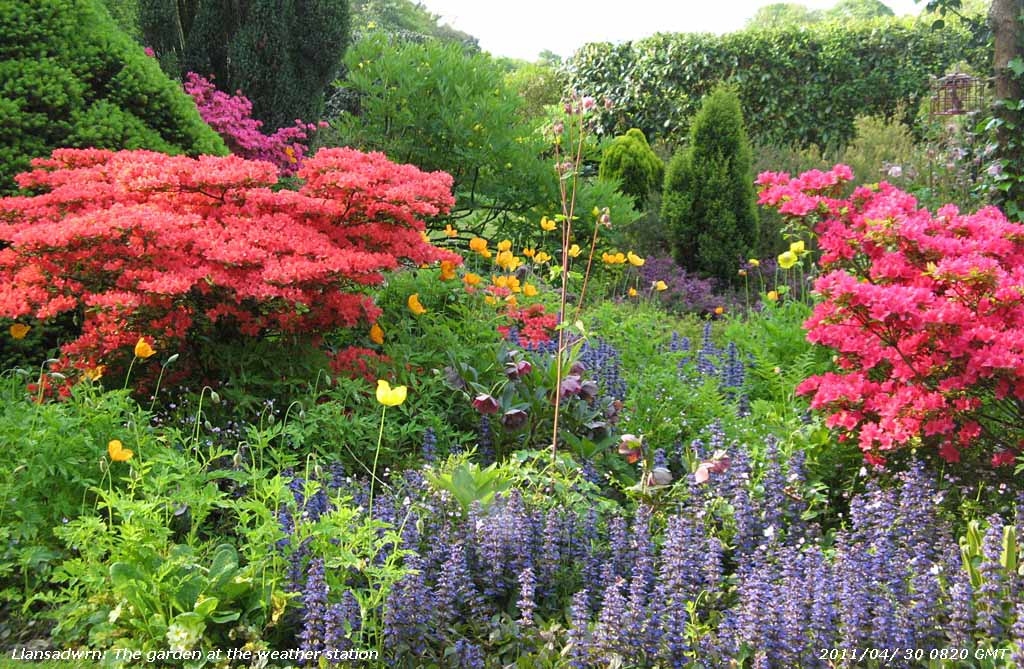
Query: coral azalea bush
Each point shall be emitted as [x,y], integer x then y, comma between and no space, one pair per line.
[147,245]
[926,312]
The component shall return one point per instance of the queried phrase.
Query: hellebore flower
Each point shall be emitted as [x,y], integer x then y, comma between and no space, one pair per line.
[571,386]
[514,419]
[631,446]
[518,368]
[485,404]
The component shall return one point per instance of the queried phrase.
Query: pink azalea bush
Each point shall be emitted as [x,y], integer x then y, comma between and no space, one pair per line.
[925,312]
[231,117]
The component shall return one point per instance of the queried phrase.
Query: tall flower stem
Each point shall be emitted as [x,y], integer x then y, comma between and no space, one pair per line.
[568,208]
[376,455]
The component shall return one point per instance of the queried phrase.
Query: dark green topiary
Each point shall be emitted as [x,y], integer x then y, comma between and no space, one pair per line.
[281,54]
[70,78]
[708,204]
[630,160]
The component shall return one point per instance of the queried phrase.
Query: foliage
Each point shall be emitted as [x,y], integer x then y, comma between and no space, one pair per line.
[174,250]
[797,85]
[280,55]
[539,86]
[789,14]
[71,78]
[39,491]
[630,160]
[407,20]
[923,312]
[231,117]
[438,108]
[708,203]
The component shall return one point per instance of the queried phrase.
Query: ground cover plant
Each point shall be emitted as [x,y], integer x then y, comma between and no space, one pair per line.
[453,377]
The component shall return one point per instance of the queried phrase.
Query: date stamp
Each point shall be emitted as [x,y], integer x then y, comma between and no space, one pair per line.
[885,656]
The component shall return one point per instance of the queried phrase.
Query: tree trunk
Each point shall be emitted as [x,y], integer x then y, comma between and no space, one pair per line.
[1004,17]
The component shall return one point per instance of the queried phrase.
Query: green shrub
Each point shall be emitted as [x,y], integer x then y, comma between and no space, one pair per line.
[709,203]
[629,159]
[70,78]
[439,108]
[799,85]
[538,85]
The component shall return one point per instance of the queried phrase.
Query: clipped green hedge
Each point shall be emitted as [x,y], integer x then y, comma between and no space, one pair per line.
[797,85]
[70,78]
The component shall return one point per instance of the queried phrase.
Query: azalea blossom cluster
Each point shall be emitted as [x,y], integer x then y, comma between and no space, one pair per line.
[169,247]
[925,312]
[231,117]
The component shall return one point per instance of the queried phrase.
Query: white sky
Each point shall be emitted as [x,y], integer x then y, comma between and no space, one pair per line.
[524,28]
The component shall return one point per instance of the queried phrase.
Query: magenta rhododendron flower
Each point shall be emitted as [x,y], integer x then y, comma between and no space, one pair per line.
[231,117]
[925,312]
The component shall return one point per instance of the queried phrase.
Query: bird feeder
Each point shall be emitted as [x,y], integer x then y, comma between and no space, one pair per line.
[956,94]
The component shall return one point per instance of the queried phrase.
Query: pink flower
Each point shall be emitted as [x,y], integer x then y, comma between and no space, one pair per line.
[485,404]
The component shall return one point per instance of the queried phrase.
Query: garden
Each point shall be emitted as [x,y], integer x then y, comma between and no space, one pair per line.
[373,349]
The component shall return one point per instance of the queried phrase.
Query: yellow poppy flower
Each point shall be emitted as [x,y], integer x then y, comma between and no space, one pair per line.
[471,279]
[529,253]
[513,284]
[377,334]
[772,296]
[507,261]
[574,250]
[505,245]
[787,259]
[424,236]
[449,231]
[479,245]
[660,285]
[117,451]
[529,290]
[388,396]
[414,304]
[632,292]
[541,258]
[547,225]
[500,281]
[143,349]
[607,258]
[619,258]
[754,262]
[489,299]
[447,270]
[635,260]
[512,301]
[94,373]
[19,330]
[719,311]
[798,248]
